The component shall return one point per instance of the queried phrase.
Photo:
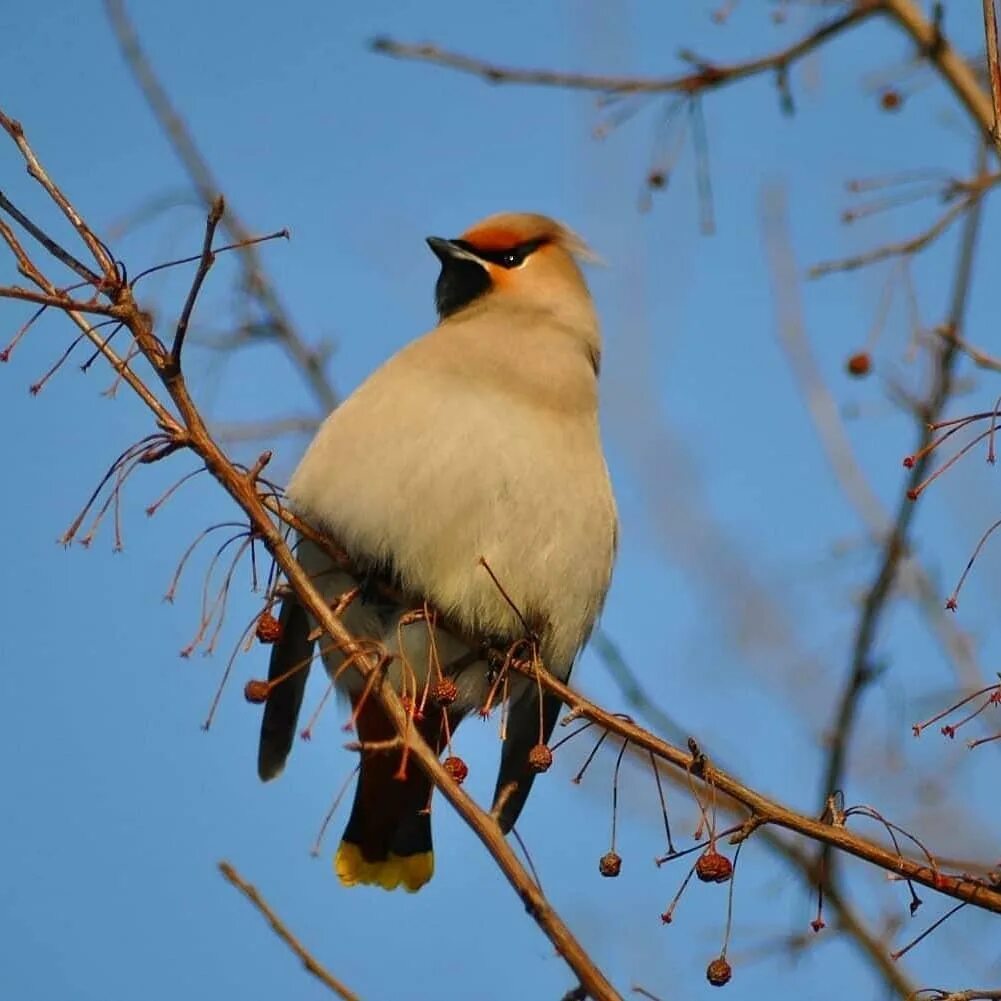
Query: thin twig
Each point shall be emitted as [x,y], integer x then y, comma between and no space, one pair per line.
[903,248]
[829,425]
[205,263]
[993,66]
[195,436]
[306,359]
[957,73]
[862,671]
[282,931]
[707,76]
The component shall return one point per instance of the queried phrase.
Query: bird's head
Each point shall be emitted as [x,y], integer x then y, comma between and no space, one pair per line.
[515,259]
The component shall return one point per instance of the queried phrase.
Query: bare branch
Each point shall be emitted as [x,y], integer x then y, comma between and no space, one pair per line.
[895,547]
[823,410]
[708,76]
[282,931]
[94,245]
[242,489]
[308,361]
[205,262]
[979,358]
[949,64]
[993,66]
[905,248]
[57,251]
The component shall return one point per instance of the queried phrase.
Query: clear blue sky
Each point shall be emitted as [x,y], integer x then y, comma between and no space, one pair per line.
[733,597]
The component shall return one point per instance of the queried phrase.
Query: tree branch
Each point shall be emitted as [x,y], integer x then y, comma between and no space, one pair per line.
[993,67]
[205,263]
[282,931]
[192,433]
[708,76]
[862,670]
[765,810]
[255,281]
[954,70]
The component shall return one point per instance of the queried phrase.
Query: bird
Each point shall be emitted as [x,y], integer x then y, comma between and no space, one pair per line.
[468,473]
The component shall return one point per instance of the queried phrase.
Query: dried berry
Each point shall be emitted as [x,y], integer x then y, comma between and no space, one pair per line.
[269,629]
[712,867]
[444,692]
[891,100]
[859,364]
[718,972]
[456,768]
[540,758]
[610,864]
[257,691]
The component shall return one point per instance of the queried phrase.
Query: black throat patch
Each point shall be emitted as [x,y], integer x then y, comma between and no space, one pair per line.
[461,282]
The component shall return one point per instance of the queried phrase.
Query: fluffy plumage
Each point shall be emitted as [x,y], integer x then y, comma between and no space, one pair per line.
[478,440]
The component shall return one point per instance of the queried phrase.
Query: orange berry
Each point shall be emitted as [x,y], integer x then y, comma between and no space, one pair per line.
[891,100]
[257,691]
[859,364]
[718,972]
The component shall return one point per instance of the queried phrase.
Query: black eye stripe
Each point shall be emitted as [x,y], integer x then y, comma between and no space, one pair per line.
[510,257]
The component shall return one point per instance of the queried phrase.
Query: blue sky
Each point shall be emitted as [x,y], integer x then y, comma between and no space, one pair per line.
[741,563]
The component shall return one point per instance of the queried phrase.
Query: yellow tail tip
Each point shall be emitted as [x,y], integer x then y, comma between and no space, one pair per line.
[409,871]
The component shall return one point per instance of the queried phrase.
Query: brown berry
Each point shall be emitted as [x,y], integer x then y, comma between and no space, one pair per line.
[444,692]
[269,629]
[656,179]
[859,364]
[257,691]
[540,758]
[891,100]
[456,768]
[610,864]
[718,972]
[712,867]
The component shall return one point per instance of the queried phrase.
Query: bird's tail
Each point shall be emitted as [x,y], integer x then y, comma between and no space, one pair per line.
[387,841]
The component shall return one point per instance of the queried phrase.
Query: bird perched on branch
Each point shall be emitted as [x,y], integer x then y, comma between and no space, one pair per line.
[467,472]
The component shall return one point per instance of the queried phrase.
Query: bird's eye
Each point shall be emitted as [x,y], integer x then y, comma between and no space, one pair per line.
[511,258]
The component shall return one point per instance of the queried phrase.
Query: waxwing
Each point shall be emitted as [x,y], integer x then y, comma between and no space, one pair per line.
[466,472]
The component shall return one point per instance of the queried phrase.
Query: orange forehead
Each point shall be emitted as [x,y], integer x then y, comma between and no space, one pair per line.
[501,237]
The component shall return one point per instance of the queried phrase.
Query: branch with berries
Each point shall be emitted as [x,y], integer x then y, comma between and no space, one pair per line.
[110,296]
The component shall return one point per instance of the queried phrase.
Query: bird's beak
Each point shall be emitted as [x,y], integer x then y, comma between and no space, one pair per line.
[449,250]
